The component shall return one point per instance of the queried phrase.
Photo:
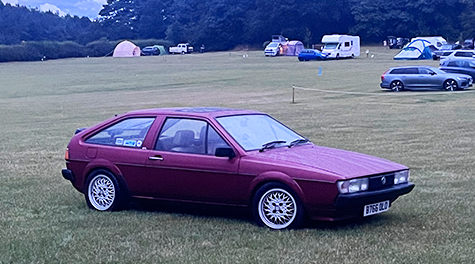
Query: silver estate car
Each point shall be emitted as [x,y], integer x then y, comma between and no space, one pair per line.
[423,77]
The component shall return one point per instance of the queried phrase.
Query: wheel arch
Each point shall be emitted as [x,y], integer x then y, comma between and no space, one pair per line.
[277,177]
[111,168]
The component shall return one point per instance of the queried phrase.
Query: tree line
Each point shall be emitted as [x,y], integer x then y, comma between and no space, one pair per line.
[226,24]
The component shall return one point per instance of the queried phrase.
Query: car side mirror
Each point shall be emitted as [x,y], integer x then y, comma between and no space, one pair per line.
[225,152]
[433,73]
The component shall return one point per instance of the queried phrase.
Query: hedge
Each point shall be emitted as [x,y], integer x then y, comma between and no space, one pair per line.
[44,50]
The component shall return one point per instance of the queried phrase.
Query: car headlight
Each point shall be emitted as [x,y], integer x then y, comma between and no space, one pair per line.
[354,185]
[401,177]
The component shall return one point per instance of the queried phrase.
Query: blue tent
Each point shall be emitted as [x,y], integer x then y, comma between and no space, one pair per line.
[419,49]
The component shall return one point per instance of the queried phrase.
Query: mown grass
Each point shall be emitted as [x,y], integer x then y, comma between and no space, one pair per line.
[44,220]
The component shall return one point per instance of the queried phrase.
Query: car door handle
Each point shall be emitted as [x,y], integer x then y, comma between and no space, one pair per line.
[156,158]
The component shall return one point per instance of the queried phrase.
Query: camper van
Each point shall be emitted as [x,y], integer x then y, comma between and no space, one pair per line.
[341,46]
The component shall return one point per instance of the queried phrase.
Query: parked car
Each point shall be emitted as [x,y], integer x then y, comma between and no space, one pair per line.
[274,49]
[468,44]
[396,42]
[464,66]
[181,48]
[228,157]
[311,54]
[423,77]
[452,54]
[150,51]
[445,48]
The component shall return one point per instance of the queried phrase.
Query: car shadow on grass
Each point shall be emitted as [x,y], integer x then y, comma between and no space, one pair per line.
[242,214]
[192,209]
[354,223]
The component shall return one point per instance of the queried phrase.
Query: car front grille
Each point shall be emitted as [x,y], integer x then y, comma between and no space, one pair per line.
[381,182]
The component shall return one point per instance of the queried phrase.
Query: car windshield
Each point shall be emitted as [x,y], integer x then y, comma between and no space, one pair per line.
[446,47]
[331,45]
[258,131]
[272,45]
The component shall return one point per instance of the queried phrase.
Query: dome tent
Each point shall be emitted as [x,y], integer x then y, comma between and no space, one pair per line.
[126,49]
[420,48]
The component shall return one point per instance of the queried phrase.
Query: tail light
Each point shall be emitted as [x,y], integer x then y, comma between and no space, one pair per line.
[382,76]
[66,154]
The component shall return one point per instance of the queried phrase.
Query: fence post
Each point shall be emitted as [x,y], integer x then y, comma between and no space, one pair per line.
[293,94]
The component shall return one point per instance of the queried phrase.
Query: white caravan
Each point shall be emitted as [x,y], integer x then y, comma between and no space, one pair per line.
[341,46]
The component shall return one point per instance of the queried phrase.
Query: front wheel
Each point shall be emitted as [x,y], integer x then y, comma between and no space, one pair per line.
[103,192]
[396,86]
[450,85]
[277,207]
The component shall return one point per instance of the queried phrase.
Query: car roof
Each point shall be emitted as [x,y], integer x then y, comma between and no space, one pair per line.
[413,66]
[209,112]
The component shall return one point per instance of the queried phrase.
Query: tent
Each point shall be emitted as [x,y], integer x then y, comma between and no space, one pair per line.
[419,49]
[126,49]
[294,47]
[162,49]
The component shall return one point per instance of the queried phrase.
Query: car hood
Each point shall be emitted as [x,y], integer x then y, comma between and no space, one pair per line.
[346,164]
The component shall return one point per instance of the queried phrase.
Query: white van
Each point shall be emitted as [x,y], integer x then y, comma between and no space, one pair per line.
[341,46]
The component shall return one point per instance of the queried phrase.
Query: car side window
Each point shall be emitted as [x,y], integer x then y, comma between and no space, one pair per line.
[453,64]
[128,133]
[397,71]
[425,71]
[463,54]
[189,136]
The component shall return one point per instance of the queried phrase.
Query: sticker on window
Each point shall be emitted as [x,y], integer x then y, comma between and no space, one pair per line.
[119,141]
[130,143]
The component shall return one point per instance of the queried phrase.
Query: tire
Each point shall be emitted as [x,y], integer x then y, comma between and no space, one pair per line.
[182,53]
[337,56]
[277,207]
[396,86]
[103,192]
[450,85]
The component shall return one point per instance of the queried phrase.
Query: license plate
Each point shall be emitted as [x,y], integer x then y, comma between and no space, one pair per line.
[376,208]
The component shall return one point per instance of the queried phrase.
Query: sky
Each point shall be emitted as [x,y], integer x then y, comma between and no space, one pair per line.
[89,8]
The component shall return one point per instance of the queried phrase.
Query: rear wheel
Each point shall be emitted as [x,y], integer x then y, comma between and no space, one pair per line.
[450,85]
[396,86]
[103,192]
[277,207]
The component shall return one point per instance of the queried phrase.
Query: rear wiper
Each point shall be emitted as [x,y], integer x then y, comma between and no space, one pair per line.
[271,144]
[298,141]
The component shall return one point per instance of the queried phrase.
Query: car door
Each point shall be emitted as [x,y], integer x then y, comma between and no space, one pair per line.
[429,78]
[410,77]
[183,166]
[121,145]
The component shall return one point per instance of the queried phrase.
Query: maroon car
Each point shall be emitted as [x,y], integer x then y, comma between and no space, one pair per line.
[228,157]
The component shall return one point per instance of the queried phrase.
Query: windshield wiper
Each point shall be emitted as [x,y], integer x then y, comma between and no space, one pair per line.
[298,141]
[271,144]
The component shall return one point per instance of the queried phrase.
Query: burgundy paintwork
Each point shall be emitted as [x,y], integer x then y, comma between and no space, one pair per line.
[310,171]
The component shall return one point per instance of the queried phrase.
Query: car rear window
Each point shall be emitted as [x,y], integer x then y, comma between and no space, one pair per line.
[128,133]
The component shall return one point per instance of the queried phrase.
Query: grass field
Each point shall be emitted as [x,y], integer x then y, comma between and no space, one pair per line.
[43,219]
